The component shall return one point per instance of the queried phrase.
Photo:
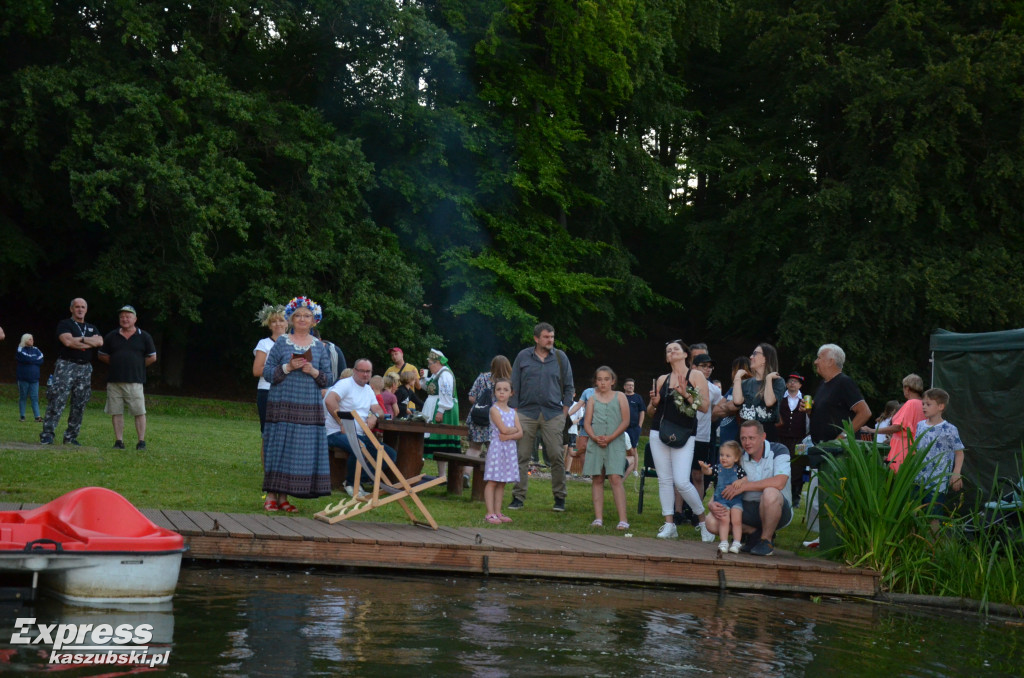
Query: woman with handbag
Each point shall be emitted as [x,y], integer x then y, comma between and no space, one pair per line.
[674,403]
[481,397]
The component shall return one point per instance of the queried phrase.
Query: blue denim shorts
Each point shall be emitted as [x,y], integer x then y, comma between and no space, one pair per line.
[735,502]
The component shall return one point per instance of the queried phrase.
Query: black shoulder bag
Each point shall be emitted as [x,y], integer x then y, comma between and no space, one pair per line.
[480,414]
[671,433]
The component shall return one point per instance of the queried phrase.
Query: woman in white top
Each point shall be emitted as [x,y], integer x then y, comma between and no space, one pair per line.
[271,317]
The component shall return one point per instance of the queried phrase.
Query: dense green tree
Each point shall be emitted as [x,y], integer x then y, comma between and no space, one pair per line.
[797,171]
[186,183]
[863,182]
[479,184]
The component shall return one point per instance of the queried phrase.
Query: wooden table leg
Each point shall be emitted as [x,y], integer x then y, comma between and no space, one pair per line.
[338,459]
[454,478]
[410,451]
[478,483]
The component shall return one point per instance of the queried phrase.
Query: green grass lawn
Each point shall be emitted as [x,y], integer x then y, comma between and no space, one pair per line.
[205,455]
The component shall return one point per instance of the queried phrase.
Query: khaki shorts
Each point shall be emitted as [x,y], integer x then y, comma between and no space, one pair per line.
[121,394]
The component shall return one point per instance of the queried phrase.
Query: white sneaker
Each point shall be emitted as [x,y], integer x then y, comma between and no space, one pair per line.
[668,531]
[735,548]
[351,491]
[723,546]
[705,533]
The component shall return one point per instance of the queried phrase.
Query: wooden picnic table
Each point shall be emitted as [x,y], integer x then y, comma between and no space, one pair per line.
[407,438]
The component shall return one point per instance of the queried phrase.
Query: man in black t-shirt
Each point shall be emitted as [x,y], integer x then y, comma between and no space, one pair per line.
[72,375]
[129,351]
[837,399]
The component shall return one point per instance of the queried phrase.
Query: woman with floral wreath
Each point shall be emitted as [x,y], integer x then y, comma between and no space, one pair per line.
[294,437]
[271,317]
[674,403]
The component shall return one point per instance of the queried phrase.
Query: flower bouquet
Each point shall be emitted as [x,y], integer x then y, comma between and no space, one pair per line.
[689,408]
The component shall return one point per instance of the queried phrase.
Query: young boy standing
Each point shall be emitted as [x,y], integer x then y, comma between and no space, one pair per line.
[945,450]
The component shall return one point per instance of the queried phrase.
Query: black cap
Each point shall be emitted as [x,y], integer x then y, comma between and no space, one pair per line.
[702,359]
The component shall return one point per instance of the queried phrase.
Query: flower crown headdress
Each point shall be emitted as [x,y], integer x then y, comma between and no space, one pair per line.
[303,302]
[268,310]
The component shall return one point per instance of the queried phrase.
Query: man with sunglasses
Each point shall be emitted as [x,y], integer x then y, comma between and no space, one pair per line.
[353,394]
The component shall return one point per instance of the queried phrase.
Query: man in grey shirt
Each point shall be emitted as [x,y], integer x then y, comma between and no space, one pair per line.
[542,391]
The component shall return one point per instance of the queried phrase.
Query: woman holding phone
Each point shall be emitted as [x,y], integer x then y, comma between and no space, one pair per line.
[758,398]
[294,437]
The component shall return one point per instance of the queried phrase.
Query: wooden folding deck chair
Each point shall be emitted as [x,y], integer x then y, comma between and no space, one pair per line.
[400,490]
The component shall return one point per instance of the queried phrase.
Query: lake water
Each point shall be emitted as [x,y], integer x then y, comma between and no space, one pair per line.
[283,623]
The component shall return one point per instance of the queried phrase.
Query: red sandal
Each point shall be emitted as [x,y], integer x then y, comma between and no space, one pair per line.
[286,506]
[270,505]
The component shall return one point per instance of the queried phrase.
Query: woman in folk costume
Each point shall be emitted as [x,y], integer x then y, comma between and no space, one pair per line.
[439,383]
[294,437]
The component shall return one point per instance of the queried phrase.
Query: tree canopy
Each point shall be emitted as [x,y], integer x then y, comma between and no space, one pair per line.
[449,172]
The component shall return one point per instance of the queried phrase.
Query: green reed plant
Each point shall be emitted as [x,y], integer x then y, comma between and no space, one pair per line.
[884,523]
[880,517]
[981,552]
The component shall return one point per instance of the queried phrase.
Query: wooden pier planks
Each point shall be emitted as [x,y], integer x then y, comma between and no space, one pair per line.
[599,557]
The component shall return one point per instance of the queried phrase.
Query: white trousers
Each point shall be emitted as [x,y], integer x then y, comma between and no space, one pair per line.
[673,467]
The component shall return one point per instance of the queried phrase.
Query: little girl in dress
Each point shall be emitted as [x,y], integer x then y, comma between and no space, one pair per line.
[723,474]
[605,421]
[502,463]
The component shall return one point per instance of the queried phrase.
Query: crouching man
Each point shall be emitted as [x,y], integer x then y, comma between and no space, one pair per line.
[767,502]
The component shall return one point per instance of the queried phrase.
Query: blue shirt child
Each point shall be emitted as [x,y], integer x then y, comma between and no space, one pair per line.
[938,464]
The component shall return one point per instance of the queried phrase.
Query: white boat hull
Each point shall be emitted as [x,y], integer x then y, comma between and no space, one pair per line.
[101,577]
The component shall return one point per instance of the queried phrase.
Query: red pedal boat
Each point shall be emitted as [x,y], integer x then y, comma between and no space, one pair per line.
[92,546]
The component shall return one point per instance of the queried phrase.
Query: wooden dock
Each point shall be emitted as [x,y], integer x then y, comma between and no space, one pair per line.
[485,551]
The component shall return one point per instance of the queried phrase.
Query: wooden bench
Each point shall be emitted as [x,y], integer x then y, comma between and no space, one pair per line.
[455,464]
[338,459]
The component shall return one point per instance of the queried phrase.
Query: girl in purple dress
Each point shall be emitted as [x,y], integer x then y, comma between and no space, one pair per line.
[502,464]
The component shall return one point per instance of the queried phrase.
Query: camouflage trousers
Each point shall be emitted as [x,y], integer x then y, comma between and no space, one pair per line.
[72,379]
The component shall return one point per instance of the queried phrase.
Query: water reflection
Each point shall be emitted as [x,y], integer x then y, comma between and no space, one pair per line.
[255,622]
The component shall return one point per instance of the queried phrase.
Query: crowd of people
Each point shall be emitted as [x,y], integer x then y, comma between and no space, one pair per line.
[127,350]
[748,440]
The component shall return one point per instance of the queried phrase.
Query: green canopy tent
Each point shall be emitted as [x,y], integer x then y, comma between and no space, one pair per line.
[984,375]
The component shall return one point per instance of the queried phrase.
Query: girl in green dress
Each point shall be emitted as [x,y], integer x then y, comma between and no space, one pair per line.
[605,421]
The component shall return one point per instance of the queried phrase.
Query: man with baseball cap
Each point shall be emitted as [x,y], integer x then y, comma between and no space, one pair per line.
[128,351]
[399,366]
